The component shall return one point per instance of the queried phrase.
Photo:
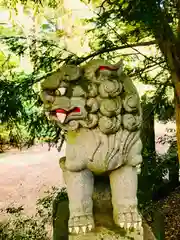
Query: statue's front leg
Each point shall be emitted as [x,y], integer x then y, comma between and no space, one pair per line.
[80,187]
[123,183]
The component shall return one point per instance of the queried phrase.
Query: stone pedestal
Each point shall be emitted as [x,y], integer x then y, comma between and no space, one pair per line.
[106,234]
[105,227]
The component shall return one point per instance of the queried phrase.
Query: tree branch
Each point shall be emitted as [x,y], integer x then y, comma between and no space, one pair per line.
[106,50]
[145,69]
[178,14]
[96,53]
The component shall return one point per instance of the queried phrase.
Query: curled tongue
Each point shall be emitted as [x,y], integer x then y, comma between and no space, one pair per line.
[61,115]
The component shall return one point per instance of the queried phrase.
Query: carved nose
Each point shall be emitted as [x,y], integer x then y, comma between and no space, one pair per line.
[49,98]
[46,98]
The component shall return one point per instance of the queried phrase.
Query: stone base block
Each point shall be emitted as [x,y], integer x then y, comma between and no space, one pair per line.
[103,233]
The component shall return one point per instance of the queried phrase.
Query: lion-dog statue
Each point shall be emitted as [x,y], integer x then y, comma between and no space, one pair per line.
[98,109]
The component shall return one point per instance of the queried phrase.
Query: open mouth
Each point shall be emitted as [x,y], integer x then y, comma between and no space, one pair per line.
[63,114]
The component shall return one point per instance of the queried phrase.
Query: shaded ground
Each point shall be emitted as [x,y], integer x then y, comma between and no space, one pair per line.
[170,209]
[24,176]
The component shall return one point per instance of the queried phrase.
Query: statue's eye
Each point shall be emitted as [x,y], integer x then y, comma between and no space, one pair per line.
[50,92]
[61,91]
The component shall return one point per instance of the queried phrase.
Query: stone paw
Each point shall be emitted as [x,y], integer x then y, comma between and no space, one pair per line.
[81,224]
[129,220]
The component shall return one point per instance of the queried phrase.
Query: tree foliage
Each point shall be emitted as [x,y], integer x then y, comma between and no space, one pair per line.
[115,34]
[130,30]
[115,28]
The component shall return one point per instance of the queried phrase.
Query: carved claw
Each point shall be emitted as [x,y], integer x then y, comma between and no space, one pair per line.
[135,225]
[90,227]
[128,225]
[121,224]
[76,230]
[139,225]
[129,220]
[81,224]
[84,229]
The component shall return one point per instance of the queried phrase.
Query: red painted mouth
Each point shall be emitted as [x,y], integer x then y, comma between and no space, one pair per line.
[74,110]
[108,68]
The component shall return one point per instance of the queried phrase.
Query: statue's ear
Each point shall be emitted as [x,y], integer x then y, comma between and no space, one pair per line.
[120,66]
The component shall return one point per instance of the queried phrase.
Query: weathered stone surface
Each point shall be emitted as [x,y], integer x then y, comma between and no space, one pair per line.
[105,227]
[101,122]
[102,233]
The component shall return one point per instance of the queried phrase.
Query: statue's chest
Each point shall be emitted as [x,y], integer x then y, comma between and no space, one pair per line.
[93,150]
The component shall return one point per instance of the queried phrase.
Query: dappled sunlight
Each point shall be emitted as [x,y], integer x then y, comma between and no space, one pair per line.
[92,87]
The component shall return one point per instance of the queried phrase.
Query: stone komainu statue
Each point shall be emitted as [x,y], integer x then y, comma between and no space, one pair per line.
[98,108]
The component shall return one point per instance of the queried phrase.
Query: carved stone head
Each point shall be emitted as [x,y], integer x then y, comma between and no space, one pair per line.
[91,96]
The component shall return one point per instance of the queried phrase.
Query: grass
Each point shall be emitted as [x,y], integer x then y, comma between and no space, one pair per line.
[37,227]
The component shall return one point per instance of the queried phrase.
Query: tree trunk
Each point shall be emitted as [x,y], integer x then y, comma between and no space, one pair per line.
[148,133]
[177,111]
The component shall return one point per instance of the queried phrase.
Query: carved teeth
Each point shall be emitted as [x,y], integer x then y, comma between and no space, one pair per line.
[76,229]
[62,90]
[90,227]
[61,117]
[70,230]
[84,229]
